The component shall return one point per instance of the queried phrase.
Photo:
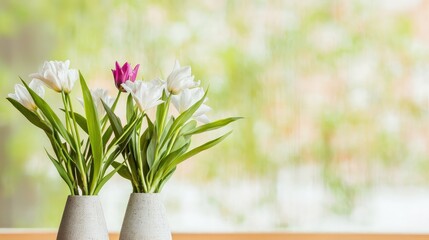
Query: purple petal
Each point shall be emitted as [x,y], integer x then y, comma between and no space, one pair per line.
[134,73]
[117,66]
[125,67]
[114,74]
[127,74]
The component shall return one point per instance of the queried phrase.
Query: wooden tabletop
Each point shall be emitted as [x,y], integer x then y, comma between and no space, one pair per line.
[241,236]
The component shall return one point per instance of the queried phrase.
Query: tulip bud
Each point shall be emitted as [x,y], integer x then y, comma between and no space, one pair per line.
[57,75]
[189,97]
[123,74]
[22,95]
[180,78]
[146,94]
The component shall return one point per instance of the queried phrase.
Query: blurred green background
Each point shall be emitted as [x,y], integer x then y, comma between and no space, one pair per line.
[334,95]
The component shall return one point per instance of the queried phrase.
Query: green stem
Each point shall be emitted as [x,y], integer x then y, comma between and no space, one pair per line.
[173,140]
[139,157]
[116,101]
[67,162]
[161,128]
[68,165]
[67,112]
[104,120]
[163,117]
[133,181]
[78,145]
[158,138]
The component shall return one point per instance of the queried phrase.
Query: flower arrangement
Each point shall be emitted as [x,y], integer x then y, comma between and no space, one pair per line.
[153,152]
[86,145]
[81,161]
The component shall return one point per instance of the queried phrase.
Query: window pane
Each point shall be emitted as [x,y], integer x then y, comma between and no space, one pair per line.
[334,96]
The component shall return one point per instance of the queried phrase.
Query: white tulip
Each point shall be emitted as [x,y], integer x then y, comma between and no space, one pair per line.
[189,97]
[180,78]
[57,75]
[22,95]
[99,95]
[146,94]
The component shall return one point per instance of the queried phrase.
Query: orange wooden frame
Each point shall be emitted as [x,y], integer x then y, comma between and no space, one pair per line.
[241,236]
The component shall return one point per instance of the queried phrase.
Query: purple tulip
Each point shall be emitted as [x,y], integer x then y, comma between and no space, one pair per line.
[124,73]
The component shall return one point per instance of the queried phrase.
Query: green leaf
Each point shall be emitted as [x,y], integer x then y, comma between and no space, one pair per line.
[131,156]
[180,142]
[189,126]
[120,148]
[160,167]
[106,136]
[165,132]
[144,143]
[31,116]
[94,132]
[51,116]
[165,142]
[149,124]
[114,120]
[132,150]
[196,150]
[111,158]
[81,121]
[160,112]
[61,171]
[130,107]
[150,153]
[211,126]
[77,176]
[106,178]
[123,172]
[59,147]
[57,151]
[165,179]
[126,134]
[185,116]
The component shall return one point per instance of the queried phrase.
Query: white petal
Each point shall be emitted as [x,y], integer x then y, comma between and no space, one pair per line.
[13,96]
[51,81]
[57,76]
[145,94]
[69,80]
[128,86]
[202,119]
[22,93]
[176,65]
[153,104]
[203,109]
[175,99]
[35,75]
[37,86]
[24,97]
[80,100]
[179,79]
[67,63]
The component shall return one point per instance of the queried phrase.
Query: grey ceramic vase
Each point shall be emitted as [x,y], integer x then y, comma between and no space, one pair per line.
[83,219]
[145,218]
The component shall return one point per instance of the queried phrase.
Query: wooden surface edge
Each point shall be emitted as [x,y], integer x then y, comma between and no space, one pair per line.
[239,236]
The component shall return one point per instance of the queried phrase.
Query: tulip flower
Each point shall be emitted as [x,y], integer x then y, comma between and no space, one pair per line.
[57,75]
[123,74]
[189,97]
[22,95]
[180,78]
[99,95]
[146,94]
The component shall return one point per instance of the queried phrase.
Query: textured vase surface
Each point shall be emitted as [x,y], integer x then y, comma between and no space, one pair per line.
[83,219]
[145,218]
